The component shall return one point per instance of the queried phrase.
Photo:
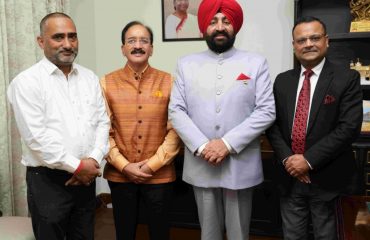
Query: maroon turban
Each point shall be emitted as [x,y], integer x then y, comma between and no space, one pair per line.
[230,8]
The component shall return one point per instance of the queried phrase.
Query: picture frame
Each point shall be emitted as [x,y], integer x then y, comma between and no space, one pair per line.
[365,128]
[177,29]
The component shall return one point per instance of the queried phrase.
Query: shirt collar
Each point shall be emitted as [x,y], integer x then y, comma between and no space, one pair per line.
[316,70]
[229,53]
[51,68]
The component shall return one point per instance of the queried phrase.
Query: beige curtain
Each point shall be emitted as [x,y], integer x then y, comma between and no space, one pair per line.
[19,27]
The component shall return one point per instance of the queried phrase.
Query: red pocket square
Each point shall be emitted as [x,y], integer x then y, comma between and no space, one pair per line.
[329,99]
[242,76]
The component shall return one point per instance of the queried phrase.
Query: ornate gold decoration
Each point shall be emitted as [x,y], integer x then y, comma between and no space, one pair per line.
[360,11]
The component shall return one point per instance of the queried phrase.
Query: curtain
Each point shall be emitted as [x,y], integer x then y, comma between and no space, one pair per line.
[19,27]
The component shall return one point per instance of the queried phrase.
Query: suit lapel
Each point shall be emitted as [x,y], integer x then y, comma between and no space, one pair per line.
[321,89]
[292,95]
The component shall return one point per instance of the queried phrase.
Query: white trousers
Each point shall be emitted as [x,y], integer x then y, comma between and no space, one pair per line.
[219,208]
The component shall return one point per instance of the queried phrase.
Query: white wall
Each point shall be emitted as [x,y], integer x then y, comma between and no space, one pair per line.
[266,30]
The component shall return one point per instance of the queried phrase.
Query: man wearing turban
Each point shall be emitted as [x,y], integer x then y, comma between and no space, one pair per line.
[220,104]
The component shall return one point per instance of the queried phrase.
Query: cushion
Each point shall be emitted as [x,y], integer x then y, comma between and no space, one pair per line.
[16,228]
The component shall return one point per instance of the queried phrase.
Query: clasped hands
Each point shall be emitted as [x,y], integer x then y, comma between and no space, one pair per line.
[138,172]
[297,166]
[90,169]
[215,152]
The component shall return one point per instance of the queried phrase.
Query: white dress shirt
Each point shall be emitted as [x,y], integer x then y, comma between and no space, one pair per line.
[313,82]
[60,120]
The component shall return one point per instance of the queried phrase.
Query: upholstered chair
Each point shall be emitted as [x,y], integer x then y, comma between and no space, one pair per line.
[15,228]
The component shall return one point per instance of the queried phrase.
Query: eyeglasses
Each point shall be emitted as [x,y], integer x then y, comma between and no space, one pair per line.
[133,41]
[313,39]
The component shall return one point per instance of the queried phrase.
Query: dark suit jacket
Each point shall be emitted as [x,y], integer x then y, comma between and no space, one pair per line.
[334,123]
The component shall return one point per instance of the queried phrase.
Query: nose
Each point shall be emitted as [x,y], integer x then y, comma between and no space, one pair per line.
[67,43]
[137,44]
[308,42]
[220,26]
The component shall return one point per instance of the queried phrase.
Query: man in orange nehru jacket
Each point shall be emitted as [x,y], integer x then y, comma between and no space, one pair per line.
[142,141]
[220,104]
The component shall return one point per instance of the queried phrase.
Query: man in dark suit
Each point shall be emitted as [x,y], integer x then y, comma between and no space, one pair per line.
[318,116]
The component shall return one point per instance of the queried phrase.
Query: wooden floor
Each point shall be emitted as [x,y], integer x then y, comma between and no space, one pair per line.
[104,229]
[355,218]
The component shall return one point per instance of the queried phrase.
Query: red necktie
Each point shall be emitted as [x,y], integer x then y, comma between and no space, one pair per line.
[301,115]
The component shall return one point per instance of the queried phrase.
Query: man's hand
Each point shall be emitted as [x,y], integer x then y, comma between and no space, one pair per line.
[73,181]
[90,169]
[146,169]
[297,166]
[304,178]
[215,151]
[134,172]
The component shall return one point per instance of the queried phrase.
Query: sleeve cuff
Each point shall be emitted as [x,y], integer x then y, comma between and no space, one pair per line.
[309,164]
[154,165]
[200,149]
[228,146]
[97,155]
[120,163]
[71,163]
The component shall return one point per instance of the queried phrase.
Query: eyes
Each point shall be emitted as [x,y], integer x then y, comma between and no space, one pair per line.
[215,21]
[313,39]
[142,41]
[59,37]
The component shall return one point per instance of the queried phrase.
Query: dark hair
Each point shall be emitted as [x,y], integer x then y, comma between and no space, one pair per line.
[133,23]
[51,15]
[308,19]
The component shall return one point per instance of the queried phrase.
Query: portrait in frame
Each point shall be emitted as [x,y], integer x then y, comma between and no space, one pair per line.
[179,20]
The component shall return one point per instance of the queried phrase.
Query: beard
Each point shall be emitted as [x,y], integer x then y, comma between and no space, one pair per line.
[220,46]
[64,60]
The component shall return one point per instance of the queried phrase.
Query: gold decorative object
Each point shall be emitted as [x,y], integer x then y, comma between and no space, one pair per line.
[363,70]
[360,11]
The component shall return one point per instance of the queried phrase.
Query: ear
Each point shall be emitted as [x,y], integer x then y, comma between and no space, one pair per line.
[40,41]
[151,50]
[123,50]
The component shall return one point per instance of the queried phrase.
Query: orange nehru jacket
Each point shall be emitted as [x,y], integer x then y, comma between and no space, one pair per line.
[137,105]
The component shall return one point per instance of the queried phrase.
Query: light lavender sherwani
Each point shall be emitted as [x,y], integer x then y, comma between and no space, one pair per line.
[208,102]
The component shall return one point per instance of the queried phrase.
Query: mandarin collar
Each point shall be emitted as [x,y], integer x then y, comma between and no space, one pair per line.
[136,75]
[229,53]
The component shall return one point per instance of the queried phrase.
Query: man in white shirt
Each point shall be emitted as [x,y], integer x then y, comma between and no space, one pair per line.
[61,116]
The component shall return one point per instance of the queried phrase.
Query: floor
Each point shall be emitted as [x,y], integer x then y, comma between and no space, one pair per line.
[354,218]
[104,229]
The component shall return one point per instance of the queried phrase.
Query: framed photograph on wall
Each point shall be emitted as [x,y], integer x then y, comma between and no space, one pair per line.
[179,20]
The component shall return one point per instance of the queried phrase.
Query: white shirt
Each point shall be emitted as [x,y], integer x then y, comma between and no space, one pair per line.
[60,120]
[313,82]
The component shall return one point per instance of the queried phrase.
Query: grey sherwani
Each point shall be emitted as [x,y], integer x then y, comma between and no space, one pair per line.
[227,96]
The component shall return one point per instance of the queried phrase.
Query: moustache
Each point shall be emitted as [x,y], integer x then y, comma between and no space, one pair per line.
[67,51]
[138,50]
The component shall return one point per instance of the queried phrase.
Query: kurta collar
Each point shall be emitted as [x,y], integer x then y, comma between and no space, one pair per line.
[229,53]
[135,75]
